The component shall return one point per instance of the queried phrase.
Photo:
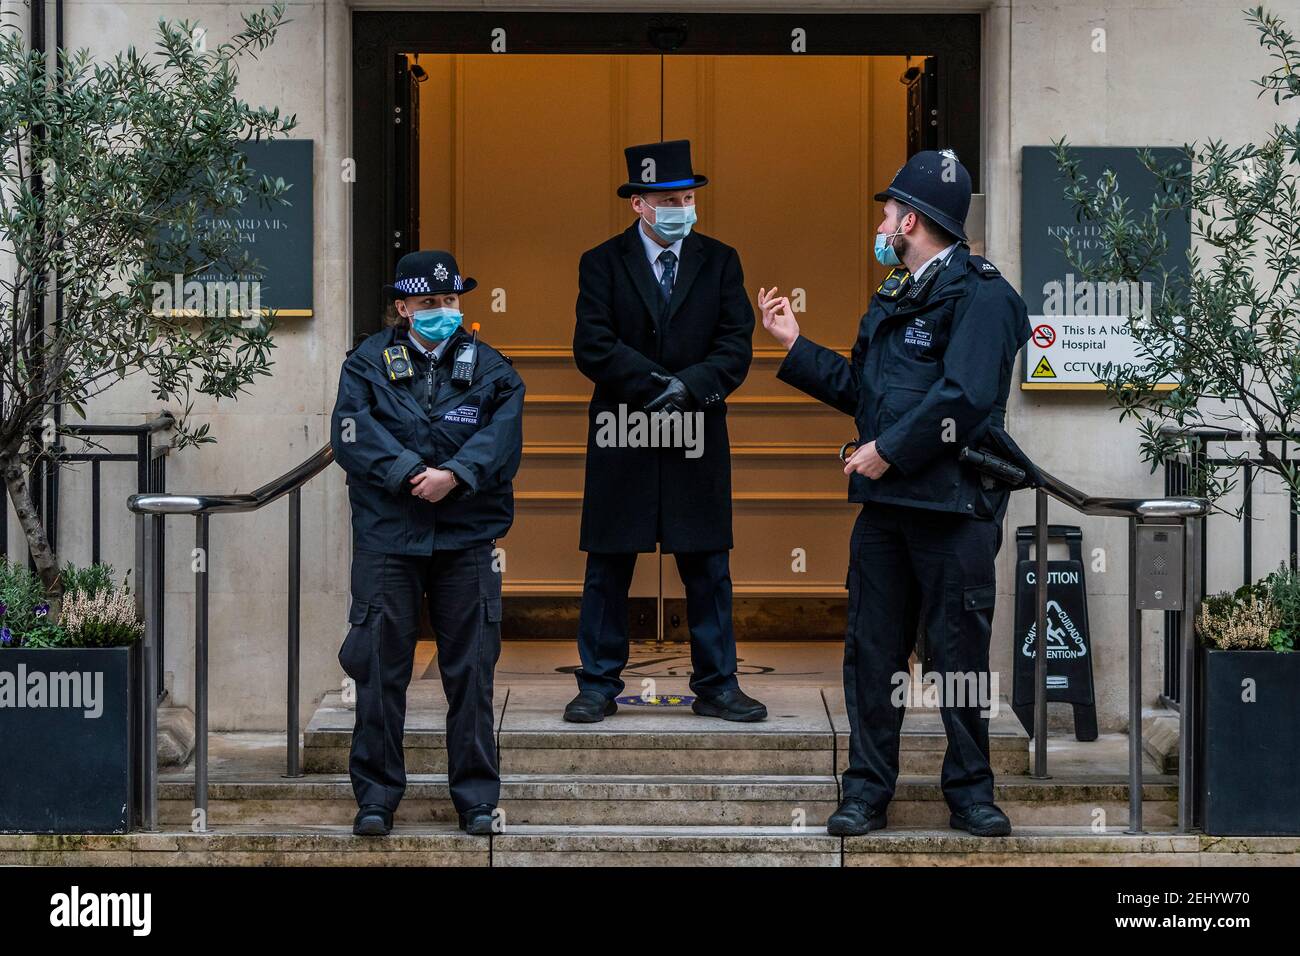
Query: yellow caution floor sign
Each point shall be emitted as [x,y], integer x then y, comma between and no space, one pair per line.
[1043,369]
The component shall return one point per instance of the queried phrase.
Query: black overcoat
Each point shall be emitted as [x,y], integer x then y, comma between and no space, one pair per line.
[634,497]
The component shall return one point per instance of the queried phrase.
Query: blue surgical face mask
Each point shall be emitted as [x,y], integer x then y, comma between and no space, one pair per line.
[435,324]
[672,222]
[886,255]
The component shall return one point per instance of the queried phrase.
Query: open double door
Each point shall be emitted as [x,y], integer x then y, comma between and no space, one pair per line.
[511,160]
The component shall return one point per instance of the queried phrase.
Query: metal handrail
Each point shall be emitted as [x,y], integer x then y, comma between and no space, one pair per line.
[1180,510]
[1150,508]
[1219,433]
[174,504]
[151,510]
[1177,510]
[161,422]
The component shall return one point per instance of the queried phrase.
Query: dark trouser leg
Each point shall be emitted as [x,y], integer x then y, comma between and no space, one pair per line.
[392,585]
[706,576]
[882,622]
[465,611]
[954,561]
[602,622]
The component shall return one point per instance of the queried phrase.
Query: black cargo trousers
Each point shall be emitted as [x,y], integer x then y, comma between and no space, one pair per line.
[463,591]
[913,568]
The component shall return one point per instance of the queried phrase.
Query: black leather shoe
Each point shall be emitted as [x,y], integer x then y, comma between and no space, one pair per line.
[981,819]
[732,704]
[854,818]
[477,820]
[373,820]
[589,707]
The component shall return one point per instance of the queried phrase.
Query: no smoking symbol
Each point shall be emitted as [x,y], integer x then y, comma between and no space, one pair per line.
[1044,335]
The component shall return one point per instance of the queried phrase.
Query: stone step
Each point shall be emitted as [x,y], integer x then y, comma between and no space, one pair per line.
[660,800]
[805,734]
[410,845]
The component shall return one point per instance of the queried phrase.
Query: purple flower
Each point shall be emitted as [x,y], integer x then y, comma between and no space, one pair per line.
[42,609]
[6,636]
[4,608]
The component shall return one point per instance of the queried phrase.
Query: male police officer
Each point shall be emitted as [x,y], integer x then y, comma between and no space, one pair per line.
[430,442]
[664,325]
[929,374]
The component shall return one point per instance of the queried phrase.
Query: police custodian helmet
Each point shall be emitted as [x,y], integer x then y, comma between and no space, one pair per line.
[937,184]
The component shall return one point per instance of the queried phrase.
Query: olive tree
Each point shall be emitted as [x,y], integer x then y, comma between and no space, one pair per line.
[1226,328]
[114,176]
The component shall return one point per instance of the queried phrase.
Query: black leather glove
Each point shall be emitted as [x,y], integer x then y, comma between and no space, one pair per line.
[674,397]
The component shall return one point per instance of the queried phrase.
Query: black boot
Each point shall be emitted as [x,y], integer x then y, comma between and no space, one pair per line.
[477,820]
[732,704]
[373,820]
[981,819]
[854,818]
[589,707]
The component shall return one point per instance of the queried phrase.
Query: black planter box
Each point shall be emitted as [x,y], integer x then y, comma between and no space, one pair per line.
[1250,768]
[67,740]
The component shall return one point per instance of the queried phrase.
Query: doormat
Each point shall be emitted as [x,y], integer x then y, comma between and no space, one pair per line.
[657,700]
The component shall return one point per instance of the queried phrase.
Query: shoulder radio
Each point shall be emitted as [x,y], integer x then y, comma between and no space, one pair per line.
[462,369]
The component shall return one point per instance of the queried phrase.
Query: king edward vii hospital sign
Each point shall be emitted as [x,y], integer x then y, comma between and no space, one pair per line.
[277,237]
[1079,327]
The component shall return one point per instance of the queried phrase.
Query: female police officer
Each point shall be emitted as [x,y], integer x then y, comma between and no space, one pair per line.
[430,444]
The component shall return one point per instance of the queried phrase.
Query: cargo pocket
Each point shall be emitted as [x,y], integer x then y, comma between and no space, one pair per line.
[978,596]
[492,609]
[359,647]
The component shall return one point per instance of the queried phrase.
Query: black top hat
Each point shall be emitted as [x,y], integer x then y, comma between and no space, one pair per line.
[659,167]
[937,184]
[428,272]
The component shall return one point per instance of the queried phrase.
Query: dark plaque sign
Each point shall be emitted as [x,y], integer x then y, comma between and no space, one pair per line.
[278,236]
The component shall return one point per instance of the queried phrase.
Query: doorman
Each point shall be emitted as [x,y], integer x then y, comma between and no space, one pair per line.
[428,427]
[928,376]
[664,328]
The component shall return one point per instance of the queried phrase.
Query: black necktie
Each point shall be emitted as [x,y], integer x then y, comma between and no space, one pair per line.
[669,262]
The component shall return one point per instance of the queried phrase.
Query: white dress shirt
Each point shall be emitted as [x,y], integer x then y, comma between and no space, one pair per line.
[653,250]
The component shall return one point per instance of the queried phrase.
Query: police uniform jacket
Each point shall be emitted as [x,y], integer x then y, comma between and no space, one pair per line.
[929,374]
[382,430]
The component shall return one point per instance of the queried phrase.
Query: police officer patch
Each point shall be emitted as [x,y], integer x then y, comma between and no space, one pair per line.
[917,334]
[462,414]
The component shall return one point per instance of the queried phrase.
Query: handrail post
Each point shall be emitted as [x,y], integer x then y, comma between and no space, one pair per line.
[1040,636]
[1188,693]
[201,569]
[1134,688]
[295,621]
[147,585]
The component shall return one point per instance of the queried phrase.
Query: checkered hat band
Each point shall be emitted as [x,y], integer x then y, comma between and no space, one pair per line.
[421,284]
